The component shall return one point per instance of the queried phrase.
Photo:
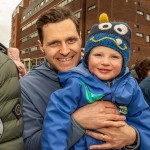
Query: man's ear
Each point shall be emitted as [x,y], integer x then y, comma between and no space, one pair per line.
[80,34]
[40,46]
[81,37]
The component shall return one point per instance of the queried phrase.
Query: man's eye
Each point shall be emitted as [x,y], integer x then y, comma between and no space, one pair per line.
[53,44]
[71,40]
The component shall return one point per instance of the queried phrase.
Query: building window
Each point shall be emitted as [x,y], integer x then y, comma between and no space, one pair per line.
[70,1]
[91,7]
[29,13]
[78,14]
[38,6]
[138,3]
[148,17]
[23,40]
[88,31]
[136,26]
[63,3]
[42,3]
[35,48]
[138,49]
[29,24]
[28,37]
[24,17]
[140,12]
[148,38]
[139,34]
[26,51]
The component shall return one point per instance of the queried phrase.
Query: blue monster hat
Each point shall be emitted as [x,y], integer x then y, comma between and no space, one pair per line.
[115,35]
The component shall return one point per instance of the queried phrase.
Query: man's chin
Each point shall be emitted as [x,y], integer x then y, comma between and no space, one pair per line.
[66,68]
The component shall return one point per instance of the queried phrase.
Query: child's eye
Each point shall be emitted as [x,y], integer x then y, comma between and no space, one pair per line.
[98,55]
[115,57]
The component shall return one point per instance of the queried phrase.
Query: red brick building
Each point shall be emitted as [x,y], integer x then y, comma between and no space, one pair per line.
[135,12]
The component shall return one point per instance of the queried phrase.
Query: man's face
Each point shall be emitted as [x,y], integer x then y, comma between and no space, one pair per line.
[61,44]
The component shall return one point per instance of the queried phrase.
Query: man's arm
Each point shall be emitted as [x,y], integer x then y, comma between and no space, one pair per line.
[115,138]
[93,116]
[99,114]
[76,133]
[32,124]
[104,114]
[33,142]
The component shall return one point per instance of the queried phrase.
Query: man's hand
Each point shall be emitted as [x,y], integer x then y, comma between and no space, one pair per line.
[100,114]
[115,138]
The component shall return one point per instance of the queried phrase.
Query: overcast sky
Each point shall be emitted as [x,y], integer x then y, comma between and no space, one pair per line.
[6,9]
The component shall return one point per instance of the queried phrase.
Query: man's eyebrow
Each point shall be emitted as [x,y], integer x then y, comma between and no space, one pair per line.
[72,37]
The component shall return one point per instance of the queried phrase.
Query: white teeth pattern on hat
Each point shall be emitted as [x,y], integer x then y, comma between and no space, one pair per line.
[119,41]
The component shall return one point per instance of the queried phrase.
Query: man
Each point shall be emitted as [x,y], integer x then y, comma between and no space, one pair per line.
[59,40]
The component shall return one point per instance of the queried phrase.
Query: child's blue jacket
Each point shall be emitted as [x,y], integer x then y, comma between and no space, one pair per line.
[80,88]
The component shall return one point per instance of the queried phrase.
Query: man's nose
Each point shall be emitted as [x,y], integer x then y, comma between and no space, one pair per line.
[64,49]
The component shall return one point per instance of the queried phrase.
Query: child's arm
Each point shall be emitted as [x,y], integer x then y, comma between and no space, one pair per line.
[57,120]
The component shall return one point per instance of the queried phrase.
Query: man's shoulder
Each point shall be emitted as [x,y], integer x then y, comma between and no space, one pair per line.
[39,75]
[29,77]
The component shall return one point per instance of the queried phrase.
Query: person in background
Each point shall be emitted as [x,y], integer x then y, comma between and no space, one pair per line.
[11,123]
[13,53]
[60,42]
[133,72]
[103,75]
[142,69]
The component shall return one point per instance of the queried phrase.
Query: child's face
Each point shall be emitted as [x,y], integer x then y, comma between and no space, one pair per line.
[105,63]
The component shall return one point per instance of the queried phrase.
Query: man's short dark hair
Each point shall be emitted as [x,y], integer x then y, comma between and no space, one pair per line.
[55,15]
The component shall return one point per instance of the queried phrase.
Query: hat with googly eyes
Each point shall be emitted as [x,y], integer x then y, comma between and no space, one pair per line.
[115,35]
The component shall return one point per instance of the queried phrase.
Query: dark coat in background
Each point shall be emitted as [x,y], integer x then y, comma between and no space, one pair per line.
[145,86]
[11,123]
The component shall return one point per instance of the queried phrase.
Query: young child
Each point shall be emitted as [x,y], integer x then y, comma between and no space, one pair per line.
[13,53]
[103,74]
